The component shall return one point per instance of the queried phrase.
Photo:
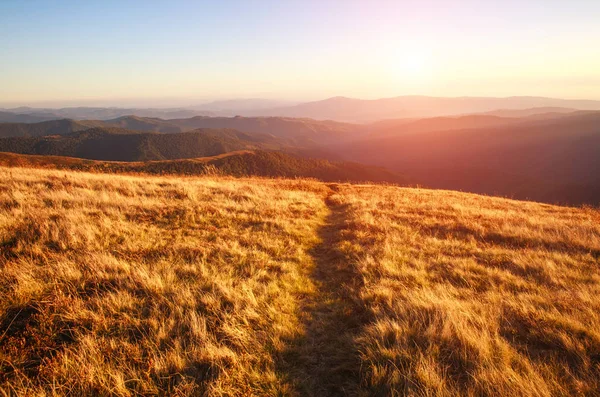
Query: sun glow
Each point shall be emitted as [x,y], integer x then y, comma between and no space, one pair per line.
[411,64]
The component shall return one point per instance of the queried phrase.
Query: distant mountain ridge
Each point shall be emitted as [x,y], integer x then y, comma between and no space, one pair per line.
[67,126]
[283,127]
[297,131]
[99,113]
[408,126]
[51,127]
[551,156]
[143,124]
[365,110]
[236,105]
[15,117]
[304,131]
[554,160]
[530,111]
[339,108]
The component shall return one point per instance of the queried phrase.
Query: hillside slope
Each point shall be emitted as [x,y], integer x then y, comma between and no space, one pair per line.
[414,106]
[102,113]
[67,126]
[532,112]
[11,117]
[143,124]
[123,285]
[237,163]
[554,160]
[52,127]
[126,145]
[403,126]
[299,131]
[281,127]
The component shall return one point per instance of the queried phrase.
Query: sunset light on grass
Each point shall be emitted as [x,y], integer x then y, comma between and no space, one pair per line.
[300,198]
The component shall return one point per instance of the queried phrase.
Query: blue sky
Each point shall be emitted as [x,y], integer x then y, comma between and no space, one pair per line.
[179,52]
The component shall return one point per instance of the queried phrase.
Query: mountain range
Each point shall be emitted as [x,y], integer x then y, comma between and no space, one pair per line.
[361,110]
[117,144]
[32,115]
[545,153]
[555,160]
[337,108]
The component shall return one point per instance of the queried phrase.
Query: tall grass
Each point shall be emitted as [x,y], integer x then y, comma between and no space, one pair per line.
[211,286]
[118,285]
[472,295]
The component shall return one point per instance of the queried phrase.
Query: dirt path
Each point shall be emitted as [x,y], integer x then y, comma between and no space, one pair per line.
[324,361]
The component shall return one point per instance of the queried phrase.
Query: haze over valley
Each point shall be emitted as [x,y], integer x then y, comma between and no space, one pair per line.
[545,154]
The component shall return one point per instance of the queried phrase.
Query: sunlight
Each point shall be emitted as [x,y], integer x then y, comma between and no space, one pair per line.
[411,64]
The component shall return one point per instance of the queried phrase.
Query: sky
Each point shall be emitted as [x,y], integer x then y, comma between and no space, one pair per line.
[66,53]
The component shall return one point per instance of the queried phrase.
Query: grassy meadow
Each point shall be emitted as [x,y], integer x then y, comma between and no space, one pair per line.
[121,285]
[473,295]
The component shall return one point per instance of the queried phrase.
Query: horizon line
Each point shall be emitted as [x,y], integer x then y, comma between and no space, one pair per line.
[32,104]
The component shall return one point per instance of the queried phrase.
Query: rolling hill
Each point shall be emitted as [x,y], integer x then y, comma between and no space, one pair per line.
[530,112]
[301,130]
[555,160]
[551,157]
[237,163]
[363,110]
[51,127]
[159,285]
[10,117]
[126,145]
[340,109]
[143,124]
[231,107]
[105,113]
[67,126]
[408,126]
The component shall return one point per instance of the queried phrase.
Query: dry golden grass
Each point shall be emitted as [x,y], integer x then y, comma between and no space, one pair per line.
[474,295]
[128,285]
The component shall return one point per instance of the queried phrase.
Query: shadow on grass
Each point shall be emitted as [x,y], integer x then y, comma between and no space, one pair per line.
[324,360]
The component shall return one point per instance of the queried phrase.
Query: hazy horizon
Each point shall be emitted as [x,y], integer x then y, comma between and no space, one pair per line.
[198,103]
[184,53]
